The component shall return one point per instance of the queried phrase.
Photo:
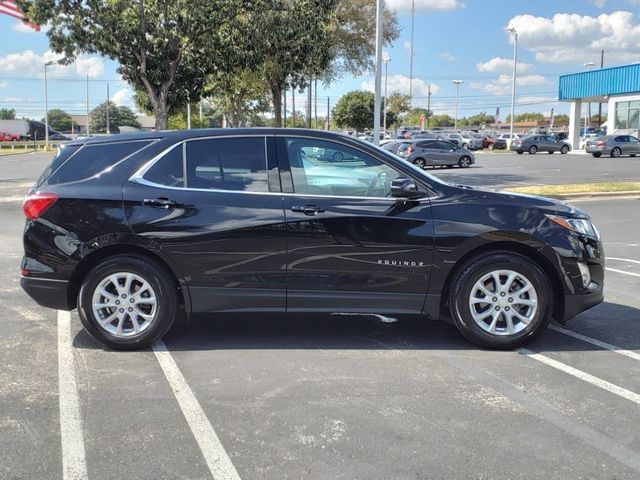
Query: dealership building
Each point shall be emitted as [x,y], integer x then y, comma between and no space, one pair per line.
[618,87]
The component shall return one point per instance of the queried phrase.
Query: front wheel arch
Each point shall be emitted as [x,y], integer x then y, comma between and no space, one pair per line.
[505,247]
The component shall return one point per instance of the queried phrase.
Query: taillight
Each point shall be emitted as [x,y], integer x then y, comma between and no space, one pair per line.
[410,150]
[36,204]
[601,143]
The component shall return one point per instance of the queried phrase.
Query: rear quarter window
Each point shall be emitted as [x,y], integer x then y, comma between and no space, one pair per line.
[90,160]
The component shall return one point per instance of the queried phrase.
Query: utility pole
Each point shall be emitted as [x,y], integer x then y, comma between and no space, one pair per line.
[514,33]
[600,103]
[308,119]
[413,29]
[457,83]
[587,124]
[428,104]
[200,113]
[315,102]
[188,113]
[87,127]
[293,106]
[108,108]
[46,106]
[328,113]
[386,59]
[378,80]
[284,108]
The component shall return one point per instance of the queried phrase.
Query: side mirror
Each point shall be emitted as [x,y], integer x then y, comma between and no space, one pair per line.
[405,188]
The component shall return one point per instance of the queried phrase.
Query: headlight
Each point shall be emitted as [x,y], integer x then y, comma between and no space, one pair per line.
[578,225]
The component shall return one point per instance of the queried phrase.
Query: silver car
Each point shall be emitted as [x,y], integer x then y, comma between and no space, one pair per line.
[430,153]
[614,146]
[539,143]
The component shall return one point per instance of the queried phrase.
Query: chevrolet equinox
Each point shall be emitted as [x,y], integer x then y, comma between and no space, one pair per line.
[139,232]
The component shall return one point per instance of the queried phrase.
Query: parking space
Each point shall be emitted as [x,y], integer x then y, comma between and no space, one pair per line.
[324,396]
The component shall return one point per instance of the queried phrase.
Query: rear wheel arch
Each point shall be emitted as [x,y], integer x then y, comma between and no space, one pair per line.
[94,258]
[506,247]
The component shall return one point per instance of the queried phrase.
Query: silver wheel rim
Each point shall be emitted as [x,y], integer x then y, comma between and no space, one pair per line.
[464,162]
[420,163]
[503,302]
[615,153]
[124,304]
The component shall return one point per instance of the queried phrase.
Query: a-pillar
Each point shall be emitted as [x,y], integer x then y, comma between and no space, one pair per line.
[574,124]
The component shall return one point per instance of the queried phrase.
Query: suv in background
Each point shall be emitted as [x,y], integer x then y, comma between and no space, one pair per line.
[539,143]
[438,152]
[141,231]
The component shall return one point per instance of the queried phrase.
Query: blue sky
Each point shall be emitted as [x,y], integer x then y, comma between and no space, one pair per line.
[454,39]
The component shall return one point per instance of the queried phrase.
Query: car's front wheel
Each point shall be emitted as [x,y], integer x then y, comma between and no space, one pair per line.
[564,150]
[127,302]
[616,152]
[464,162]
[501,300]
[420,163]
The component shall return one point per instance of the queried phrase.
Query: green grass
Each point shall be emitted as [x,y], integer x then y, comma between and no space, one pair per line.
[594,187]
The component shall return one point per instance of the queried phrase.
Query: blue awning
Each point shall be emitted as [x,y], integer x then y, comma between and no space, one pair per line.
[599,83]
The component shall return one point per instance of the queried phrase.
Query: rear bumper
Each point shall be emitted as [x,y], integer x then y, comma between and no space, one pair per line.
[49,293]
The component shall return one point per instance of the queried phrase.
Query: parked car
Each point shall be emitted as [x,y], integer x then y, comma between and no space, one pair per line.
[539,143]
[614,146]
[464,140]
[141,231]
[431,153]
[9,137]
[394,146]
[489,142]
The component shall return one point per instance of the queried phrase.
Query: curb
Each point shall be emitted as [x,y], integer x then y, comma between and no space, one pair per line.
[595,195]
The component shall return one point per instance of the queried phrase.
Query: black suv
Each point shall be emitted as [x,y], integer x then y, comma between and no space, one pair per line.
[141,231]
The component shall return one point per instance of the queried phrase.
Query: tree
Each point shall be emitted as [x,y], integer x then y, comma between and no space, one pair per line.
[527,117]
[292,39]
[164,48]
[561,119]
[480,119]
[7,114]
[413,117]
[397,104]
[118,117]
[442,121]
[355,110]
[239,95]
[59,120]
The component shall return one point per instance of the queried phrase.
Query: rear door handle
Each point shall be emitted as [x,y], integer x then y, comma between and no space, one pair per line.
[161,202]
[307,209]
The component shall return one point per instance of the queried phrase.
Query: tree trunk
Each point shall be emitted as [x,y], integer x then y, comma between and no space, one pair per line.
[276,93]
[162,114]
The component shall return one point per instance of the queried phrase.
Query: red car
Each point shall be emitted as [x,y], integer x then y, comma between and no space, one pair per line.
[9,137]
[488,142]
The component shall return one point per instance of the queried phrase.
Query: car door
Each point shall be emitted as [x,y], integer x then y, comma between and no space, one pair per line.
[551,144]
[350,246]
[634,145]
[449,153]
[212,207]
[430,152]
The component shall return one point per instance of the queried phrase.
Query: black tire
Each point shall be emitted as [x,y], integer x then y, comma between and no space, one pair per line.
[533,150]
[550,152]
[166,294]
[465,146]
[464,162]
[565,149]
[616,152]
[461,290]
[632,154]
[449,166]
[519,152]
[420,163]
[597,154]
[337,157]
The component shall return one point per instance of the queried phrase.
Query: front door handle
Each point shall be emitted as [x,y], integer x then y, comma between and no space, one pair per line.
[307,209]
[161,202]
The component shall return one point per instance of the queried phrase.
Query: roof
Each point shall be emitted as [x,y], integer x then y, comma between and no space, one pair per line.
[600,83]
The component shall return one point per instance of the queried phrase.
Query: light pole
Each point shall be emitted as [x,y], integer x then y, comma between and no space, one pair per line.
[46,106]
[457,83]
[378,79]
[513,32]
[413,24]
[386,59]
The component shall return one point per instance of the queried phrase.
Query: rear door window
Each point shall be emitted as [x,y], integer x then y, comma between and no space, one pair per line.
[91,160]
[64,153]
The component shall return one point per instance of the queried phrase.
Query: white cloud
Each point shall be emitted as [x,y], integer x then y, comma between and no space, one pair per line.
[574,38]
[400,83]
[502,65]
[407,46]
[502,85]
[599,3]
[447,56]
[30,64]
[4,84]
[424,5]
[123,96]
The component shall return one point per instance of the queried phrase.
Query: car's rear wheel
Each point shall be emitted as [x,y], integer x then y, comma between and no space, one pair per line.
[464,162]
[502,300]
[564,150]
[550,151]
[519,152]
[337,157]
[127,302]
[490,146]
[616,152]
[420,163]
[533,150]
[597,154]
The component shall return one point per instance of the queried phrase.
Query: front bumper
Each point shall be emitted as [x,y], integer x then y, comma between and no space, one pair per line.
[48,293]
[575,304]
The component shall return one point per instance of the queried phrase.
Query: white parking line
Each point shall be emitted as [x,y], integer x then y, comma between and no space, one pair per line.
[214,453]
[622,272]
[624,259]
[598,382]
[74,464]
[595,341]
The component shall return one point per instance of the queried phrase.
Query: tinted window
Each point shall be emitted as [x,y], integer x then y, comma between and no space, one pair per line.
[620,139]
[91,160]
[168,170]
[64,152]
[325,168]
[444,145]
[238,164]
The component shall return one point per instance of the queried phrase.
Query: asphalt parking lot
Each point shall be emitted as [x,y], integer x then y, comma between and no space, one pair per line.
[331,396]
